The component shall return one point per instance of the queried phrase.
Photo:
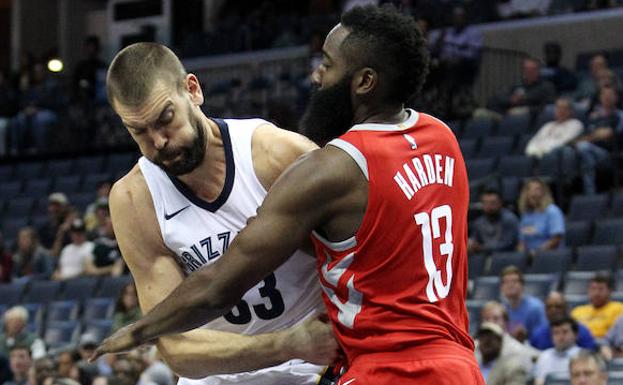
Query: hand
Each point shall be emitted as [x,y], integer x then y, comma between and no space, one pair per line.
[313,341]
[520,333]
[123,340]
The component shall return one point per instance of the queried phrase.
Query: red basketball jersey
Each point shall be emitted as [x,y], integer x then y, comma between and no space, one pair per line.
[401,281]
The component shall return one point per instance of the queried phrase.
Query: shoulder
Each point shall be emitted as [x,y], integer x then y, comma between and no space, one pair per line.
[533,302]
[509,216]
[129,191]
[552,209]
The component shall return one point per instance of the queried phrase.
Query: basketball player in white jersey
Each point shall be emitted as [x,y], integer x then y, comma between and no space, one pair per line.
[178,209]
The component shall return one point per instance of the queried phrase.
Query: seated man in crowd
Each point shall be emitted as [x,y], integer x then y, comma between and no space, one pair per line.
[555,309]
[494,312]
[73,259]
[561,77]
[588,368]
[603,135]
[496,229]
[556,360]
[525,312]
[20,362]
[557,133]
[498,369]
[14,333]
[601,313]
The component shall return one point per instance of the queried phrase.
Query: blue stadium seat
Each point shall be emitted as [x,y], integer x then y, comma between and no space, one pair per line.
[98,308]
[577,233]
[486,288]
[62,311]
[617,205]
[68,184]
[539,285]
[79,289]
[594,258]
[6,173]
[551,261]
[10,189]
[546,115]
[42,291]
[90,182]
[515,165]
[57,168]
[31,170]
[478,128]
[512,125]
[37,188]
[20,207]
[493,147]
[89,164]
[98,328]
[576,282]
[35,315]
[82,200]
[475,265]
[12,225]
[120,162]
[574,300]
[474,308]
[608,232]
[499,261]
[59,334]
[110,287]
[456,126]
[11,293]
[510,188]
[468,147]
[587,207]
[480,168]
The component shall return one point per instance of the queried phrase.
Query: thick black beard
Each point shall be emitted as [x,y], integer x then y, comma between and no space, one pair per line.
[192,156]
[329,112]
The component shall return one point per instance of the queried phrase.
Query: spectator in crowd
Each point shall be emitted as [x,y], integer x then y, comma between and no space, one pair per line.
[601,313]
[557,133]
[525,312]
[495,312]
[603,135]
[529,96]
[15,333]
[42,369]
[496,368]
[106,258]
[59,213]
[39,103]
[497,229]
[612,343]
[562,78]
[21,362]
[156,372]
[6,261]
[90,73]
[31,261]
[86,346]
[96,222]
[588,86]
[91,215]
[542,223]
[73,259]
[555,309]
[126,309]
[66,363]
[556,360]
[588,368]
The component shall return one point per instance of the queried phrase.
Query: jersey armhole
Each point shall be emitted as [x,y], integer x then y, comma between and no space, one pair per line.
[354,153]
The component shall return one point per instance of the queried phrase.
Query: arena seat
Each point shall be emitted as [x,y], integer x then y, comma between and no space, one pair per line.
[79,289]
[11,293]
[551,261]
[478,128]
[512,125]
[577,233]
[98,308]
[62,311]
[587,207]
[608,232]
[487,288]
[515,165]
[493,147]
[59,334]
[42,291]
[594,258]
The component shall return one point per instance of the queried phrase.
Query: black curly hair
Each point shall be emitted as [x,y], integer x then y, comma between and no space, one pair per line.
[390,43]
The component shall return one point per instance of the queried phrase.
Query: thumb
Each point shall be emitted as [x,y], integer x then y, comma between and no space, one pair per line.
[96,354]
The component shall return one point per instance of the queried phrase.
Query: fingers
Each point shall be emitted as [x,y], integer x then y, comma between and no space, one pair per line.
[96,354]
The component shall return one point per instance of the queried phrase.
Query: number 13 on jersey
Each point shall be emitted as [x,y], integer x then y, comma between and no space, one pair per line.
[431,229]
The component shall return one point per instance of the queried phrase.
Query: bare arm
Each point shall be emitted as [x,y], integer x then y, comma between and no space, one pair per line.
[201,352]
[303,198]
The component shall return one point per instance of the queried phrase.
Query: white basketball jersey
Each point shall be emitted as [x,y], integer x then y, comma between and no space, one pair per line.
[199,232]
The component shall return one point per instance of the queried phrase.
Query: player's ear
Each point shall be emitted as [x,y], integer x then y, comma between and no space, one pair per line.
[192,86]
[365,80]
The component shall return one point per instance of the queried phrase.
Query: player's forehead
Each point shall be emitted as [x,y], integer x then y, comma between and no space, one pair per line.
[159,97]
[334,40]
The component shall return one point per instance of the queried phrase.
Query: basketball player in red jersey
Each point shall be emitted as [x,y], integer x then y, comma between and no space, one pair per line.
[386,204]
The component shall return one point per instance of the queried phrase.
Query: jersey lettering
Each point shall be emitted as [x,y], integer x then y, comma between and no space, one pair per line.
[348,309]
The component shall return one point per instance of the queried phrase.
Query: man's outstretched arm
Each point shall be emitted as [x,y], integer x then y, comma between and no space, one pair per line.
[303,198]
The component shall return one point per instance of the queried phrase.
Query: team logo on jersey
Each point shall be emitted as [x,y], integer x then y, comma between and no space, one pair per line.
[169,216]
[411,141]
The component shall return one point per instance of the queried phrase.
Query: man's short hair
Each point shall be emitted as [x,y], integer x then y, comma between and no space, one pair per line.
[136,68]
[586,355]
[565,321]
[508,270]
[491,191]
[495,305]
[390,43]
[21,347]
[604,278]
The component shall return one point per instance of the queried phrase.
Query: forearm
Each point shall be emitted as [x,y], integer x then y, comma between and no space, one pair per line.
[201,353]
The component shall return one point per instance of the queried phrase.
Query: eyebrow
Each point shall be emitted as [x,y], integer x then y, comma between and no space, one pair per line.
[160,116]
[325,53]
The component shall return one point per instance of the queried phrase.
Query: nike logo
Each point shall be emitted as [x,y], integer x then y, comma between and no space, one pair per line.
[169,216]
[349,381]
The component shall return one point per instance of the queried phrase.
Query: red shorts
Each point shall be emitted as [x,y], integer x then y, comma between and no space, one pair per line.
[438,368]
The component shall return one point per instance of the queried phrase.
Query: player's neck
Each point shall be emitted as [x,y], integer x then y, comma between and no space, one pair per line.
[207,180]
[382,114]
